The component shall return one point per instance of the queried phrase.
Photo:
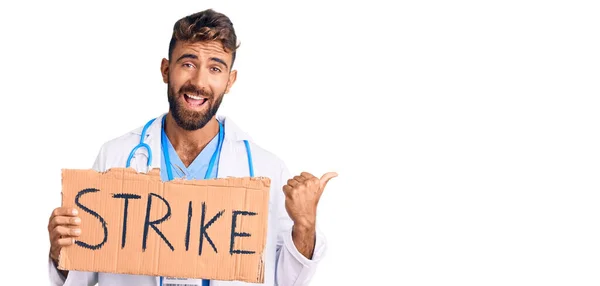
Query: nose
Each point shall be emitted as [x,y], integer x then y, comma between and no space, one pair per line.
[199,78]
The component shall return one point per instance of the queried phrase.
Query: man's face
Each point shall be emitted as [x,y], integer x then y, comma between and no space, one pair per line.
[197,76]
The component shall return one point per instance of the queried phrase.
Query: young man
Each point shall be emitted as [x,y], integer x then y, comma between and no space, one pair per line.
[198,74]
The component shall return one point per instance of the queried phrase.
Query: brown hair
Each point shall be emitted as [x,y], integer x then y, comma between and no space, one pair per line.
[206,25]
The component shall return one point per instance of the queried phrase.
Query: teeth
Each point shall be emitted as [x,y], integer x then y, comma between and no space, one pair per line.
[194,97]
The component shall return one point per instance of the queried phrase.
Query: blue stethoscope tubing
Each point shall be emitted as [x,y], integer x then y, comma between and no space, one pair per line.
[141,144]
[168,160]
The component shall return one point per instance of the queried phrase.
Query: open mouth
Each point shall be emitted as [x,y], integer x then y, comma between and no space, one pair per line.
[194,100]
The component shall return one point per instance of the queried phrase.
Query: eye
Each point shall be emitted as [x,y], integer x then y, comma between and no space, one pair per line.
[188,65]
[215,69]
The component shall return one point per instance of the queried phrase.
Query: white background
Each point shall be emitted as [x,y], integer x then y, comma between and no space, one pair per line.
[465,133]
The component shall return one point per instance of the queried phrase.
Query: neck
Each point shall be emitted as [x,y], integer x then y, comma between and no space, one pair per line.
[188,144]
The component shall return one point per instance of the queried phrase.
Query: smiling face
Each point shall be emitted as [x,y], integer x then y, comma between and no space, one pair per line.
[197,76]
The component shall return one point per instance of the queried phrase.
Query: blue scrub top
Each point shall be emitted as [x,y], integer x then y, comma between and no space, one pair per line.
[196,170]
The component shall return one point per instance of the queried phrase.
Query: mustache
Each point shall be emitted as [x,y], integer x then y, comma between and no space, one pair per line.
[194,90]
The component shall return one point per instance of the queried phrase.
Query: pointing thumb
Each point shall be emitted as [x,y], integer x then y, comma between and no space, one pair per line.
[326,177]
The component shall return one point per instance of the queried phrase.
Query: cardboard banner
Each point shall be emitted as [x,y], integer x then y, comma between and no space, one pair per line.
[134,223]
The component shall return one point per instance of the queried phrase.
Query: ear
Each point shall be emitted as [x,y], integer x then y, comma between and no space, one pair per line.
[231,81]
[164,70]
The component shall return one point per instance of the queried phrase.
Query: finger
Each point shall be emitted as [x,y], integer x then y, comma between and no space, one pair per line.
[65,231]
[306,175]
[326,177]
[299,179]
[65,220]
[287,189]
[64,211]
[66,241]
[293,182]
[56,240]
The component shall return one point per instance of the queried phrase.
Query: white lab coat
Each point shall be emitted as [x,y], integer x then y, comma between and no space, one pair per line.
[284,265]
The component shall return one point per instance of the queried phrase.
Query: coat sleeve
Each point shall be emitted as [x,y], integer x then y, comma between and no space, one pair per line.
[77,277]
[293,268]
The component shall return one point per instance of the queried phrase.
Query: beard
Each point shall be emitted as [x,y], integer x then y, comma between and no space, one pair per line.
[188,119]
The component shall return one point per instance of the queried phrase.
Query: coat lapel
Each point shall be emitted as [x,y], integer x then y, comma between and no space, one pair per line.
[233,161]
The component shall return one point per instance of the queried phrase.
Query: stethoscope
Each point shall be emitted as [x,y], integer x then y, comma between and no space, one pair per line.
[168,159]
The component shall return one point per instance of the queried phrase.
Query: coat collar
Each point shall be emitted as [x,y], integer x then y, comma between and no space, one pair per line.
[233,133]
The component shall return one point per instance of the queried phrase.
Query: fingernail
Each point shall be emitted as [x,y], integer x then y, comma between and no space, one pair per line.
[75,212]
[77,220]
[77,231]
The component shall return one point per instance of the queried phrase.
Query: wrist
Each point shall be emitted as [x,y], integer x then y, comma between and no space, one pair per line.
[54,259]
[305,222]
[304,237]
[303,228]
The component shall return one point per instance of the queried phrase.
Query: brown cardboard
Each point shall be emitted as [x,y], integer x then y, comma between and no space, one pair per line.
[217,195]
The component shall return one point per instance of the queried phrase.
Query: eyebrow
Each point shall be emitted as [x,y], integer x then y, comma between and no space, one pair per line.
[219,61]
[192,56]
[187,56]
